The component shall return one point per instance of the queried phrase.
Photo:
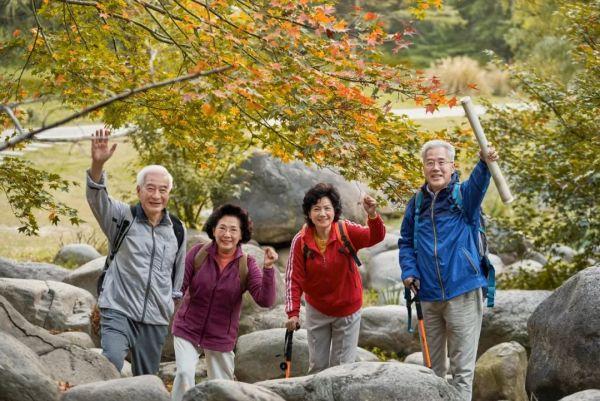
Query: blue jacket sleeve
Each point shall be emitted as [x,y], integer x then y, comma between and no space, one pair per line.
[474,189]
[407,254]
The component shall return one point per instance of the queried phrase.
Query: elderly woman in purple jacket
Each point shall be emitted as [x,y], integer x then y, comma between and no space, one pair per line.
[209,315]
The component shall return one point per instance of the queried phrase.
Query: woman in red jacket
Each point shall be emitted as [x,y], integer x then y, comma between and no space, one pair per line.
[209,316]
[323,268]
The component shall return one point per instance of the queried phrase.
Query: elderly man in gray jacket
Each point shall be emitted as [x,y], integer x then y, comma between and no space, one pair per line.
[136,297]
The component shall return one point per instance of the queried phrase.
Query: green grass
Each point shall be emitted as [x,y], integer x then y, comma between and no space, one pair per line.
[71,162]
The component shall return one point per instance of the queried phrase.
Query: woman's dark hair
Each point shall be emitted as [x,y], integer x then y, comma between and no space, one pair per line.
[317,192]
[229,210]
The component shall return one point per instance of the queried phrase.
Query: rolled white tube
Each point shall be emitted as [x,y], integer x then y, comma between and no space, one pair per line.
[499,180]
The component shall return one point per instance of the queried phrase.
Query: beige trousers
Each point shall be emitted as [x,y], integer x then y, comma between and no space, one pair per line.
[453,329]
[219,365]
[332,340]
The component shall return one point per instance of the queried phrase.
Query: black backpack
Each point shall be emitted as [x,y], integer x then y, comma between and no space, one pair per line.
[123,227]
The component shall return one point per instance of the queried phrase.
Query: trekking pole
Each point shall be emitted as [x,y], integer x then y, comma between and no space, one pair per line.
[287,364]
[422,332]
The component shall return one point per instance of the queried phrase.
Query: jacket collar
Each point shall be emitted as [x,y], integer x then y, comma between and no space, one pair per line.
[308,235]
[453,180]
[141,215]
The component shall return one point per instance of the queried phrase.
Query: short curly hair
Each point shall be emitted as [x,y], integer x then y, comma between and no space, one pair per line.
[317,192]
[229,210]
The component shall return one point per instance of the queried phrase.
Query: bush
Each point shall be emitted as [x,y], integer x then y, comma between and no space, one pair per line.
[464,76]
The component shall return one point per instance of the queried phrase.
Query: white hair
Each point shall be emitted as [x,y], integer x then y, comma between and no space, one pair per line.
[153,168]
[437,143]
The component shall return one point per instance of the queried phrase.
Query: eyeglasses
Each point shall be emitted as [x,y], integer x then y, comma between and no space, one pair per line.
[441,163]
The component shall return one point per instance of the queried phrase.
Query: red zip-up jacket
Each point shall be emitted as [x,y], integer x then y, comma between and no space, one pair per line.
[209,315]
[331,281]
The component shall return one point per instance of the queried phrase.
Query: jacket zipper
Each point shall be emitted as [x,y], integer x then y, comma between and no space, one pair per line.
[435,254]
[149,275]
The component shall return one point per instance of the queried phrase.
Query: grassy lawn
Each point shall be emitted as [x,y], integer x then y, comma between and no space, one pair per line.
[70,161]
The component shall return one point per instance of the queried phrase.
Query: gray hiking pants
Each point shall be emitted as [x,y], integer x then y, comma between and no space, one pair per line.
[453,329]
[119,335]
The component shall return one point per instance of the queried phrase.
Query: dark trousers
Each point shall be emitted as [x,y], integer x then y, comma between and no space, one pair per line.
[119,334]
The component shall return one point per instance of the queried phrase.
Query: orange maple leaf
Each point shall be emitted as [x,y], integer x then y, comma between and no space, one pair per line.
[370,16]
[473,86]
[16,33]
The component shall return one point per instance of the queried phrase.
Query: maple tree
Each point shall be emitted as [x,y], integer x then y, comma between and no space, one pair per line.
[296,81]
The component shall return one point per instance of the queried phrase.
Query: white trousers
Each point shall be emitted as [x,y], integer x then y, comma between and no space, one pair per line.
[332,340]
[219,365]
[453,329]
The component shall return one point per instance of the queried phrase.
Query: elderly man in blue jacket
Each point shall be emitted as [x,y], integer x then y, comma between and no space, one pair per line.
[443,263]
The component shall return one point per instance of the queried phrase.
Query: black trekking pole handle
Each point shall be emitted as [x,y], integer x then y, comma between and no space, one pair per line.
[286,365]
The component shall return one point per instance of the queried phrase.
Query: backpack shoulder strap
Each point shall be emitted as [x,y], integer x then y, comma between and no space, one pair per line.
[342,233]
[418,202]
[457,196]
[243,268]
[201,256]
[177,230]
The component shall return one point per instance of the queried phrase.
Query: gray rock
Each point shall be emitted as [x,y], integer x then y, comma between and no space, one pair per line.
[265,319]
[194,237]
[497,262]
[565,339]
[526,265]
[389,243]
[563,252]
[140,388]
[168,370]
[273,194]
[362,355]
[65,361]
[385,327]
[226,390]
[50,304]
[78,338]
[23,377]
[586,395]
[125,370]
[538,257]
[360,381]
[72,255]
[384,270]
[259,354]
[416,358]
[86,276]
[507,320]
[500,373]
[31,270]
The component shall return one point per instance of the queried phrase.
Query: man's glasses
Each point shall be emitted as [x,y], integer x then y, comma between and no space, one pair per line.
[441,163]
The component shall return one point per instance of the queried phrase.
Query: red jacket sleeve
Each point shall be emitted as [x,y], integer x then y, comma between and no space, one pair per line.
[366,236]
[294,277]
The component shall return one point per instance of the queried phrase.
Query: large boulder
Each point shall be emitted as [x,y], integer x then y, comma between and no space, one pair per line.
[63,360]
[266,319]
[272,192]
[86,276]
[384,271]
[500,373]
[31,270]
[140,388]
[385,327]
[526,265]
[227,390]
[381,381]
[507,320]
[78,338]
[50,304]
[564,333]
[23,377]
[258,355]
[585,395]
[168,370]
[73,255]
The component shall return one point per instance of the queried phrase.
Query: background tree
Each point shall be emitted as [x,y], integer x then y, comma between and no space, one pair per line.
[300,82]
[551,149]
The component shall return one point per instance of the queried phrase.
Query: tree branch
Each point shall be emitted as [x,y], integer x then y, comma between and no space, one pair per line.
[123,95]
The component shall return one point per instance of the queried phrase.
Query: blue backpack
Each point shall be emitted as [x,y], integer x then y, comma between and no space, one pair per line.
[482,246]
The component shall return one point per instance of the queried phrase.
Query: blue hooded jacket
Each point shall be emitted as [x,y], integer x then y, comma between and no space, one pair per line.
[445,259]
